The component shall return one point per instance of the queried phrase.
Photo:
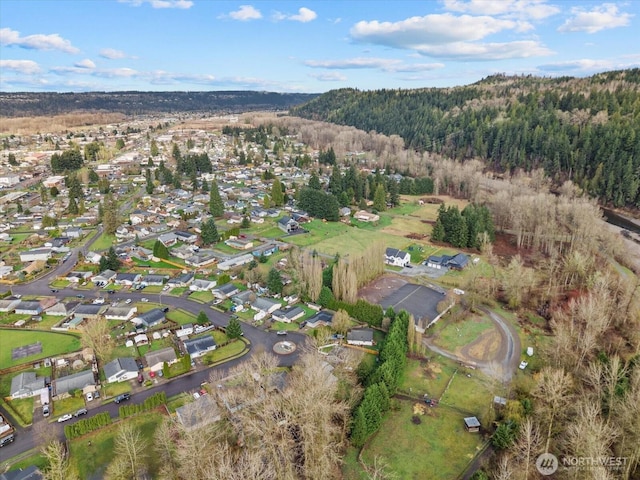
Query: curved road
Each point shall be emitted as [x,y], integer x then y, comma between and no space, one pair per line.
[501,368]
[260,341]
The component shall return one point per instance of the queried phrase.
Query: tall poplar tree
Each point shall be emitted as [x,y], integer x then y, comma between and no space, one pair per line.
[216,207]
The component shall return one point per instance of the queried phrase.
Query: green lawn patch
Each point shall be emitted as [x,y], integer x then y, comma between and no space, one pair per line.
[219,336]
[202,297]
[38,460]
[178,401]
[111,390]
[181,316]
[430,377]
[178,291]
[222,353]
[454,335]
[284,326]
[91,459]
[60,283]
[439,447]
[52,344]
[24,408]
[67,405]
[103,242]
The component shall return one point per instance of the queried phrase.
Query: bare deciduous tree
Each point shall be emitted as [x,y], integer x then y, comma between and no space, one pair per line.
[96,335]
[57,463]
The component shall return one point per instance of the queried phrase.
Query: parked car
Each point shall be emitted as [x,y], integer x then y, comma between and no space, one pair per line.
[523,365]
[281,332]
[89,397]
[302,324]
[122,398]
[65,417]
[79,296]
[45,410]
[54,290]
[128,301]
[165,309]
[144,299]
[82,411]
[7,440]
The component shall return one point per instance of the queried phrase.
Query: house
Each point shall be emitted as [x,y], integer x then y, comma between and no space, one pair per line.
[454,262]
[360,336]
[183,251]
[246,296]
[185,331]
[93,257]
[42,254]
[201,285]
[186,237]
[149,319]
[9,305]
[168,239]
[78,277]
[88,311]
[182,280]
[120,369]
[104,277]
[472,424]
[198,347]
[120,313]
[151,280]
[393,256]
[29,308]
[288,314]
[156,359]
[262,304]
[127,279]
[141,339]
[74,232]
[323,317]
[288,224]
[365,216]
[225,291]
[76,381]
[235,262]
[26,385]
[239,243]
[29,473]
[265,250]
[201,258]
[59,309]
[5,270]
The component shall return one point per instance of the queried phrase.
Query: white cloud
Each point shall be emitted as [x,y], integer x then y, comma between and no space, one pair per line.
[601,17]
[36,42]
[486,51]
[86,63]
[112,53]
[429,30]
[527,9]
[304,15]
[384,64]
[244,13]
[181,4]
[27,67]
[329,77]
[588,65]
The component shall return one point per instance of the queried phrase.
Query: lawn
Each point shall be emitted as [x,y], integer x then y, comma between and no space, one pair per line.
[111,390]
[103,242]
[60,283]
[223,353]
[453,336]
[88,460]
[67,405]
[181,316]
[284,326]
[439,447]
[52,344]
[430,377]
[202,297]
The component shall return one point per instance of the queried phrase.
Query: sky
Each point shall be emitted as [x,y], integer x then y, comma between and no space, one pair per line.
[306,46]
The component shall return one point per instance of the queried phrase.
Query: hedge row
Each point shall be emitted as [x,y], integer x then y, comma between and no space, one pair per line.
[150,403]
[362,310]
[87,425]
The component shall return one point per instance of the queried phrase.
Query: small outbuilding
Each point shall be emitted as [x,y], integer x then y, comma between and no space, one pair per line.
[472,424]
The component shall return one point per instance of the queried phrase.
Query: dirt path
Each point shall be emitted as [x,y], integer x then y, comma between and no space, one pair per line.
[505,361]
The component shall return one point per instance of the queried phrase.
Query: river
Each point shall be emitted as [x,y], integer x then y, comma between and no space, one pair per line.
[618,220]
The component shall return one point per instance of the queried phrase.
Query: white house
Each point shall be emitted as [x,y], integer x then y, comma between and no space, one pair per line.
[393,256]
[360,336]
[201,285]
[120,369]
[155,360]
[35,254]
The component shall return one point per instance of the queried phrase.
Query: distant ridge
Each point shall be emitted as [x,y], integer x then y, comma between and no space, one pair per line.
[24,104]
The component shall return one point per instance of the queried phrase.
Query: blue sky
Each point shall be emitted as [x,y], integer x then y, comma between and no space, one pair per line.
[309,46]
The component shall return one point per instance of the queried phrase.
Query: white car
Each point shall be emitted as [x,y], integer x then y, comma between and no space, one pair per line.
[65,417]
[523,365]
[89,397]
[144,299]
[128,301]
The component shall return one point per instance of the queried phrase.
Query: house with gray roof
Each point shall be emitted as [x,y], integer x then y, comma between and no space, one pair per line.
[29,308]
[323,317]
[120,370]
[76,381]
[288,314]
[150,280]
[246,296]
[26,385]
[202,285]
[88,312]
[127,279]
[182,280]
[29,473]
[121,313]
[225,291]
[360,336]
[262,304]
[9,305]
[150,319]
[156,359]
[198,347]
[201,259]
[105,277]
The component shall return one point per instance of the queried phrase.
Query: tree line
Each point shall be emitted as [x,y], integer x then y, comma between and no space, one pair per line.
[584,130]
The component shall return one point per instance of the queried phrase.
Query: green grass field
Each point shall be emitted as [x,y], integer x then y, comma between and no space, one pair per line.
[437,448]
[181,316]
[52,344]
[452,336]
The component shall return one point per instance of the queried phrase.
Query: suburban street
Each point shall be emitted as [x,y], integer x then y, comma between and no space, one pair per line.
[260,341]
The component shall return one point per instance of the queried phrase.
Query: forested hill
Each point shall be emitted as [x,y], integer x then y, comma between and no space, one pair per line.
[136,103]
[583,129]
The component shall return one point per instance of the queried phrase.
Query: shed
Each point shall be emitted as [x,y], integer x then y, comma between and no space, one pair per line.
[472,424]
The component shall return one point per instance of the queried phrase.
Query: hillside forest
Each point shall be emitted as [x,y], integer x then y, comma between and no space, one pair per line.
[579,129]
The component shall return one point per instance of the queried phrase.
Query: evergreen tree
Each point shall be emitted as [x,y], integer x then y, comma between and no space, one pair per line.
[277,195]
[314,182]
[154,148]
[110,261]
[359,428]
[149,187]
[380,198]
[246,223]
[216,206]
[202,318]
[209,232]
[93,176]
[160,250]
[274,281]
[438,233]
[72,208]
[234,329]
